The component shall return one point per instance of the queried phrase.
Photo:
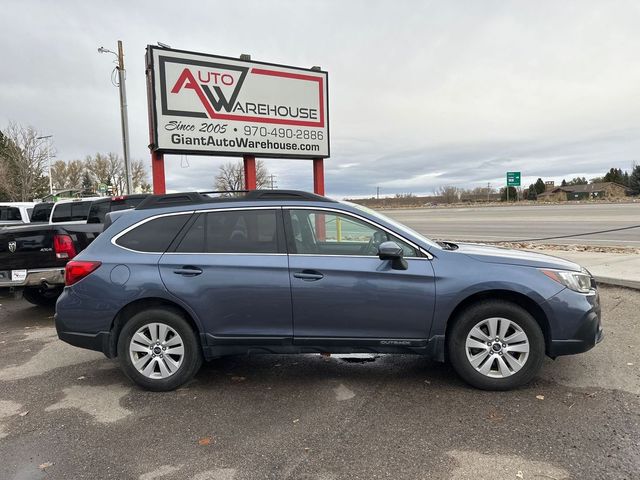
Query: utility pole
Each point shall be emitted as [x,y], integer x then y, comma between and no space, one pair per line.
[378,193]
[488,190]
[124,117]
[272,181]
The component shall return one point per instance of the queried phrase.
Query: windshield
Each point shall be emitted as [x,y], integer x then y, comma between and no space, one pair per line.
[397,225]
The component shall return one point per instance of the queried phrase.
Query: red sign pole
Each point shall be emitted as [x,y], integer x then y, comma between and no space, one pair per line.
[249,172]
[157,172]
[318,176]
[318,187]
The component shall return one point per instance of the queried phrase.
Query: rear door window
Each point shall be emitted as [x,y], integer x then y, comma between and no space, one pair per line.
[153,236]
[236,231]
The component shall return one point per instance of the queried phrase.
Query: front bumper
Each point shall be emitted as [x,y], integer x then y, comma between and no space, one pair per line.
[34,278]
[575,323]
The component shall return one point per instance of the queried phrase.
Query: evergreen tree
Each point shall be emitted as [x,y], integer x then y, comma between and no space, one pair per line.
[540,187]
[87,183]
[513,194]
[634,179]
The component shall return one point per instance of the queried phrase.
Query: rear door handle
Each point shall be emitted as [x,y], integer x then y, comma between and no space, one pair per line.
[308,275]
[188,271]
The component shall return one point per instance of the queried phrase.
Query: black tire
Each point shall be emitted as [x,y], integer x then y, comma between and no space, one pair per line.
[469,318]
[191,361]
[42,297]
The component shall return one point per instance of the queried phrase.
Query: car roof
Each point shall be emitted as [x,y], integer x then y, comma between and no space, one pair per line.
[17,204]
[115,198]
[193,199]
[72,200]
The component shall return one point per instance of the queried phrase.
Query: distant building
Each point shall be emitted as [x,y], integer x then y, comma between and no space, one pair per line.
[591,191]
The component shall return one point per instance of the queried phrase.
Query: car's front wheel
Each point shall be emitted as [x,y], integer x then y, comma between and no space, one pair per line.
[159,350]
[496,345]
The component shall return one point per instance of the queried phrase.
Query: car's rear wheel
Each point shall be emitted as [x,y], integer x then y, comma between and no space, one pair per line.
[159,350]
[41,296]
[496,345]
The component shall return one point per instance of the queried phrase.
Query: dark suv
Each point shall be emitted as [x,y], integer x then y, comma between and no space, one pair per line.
[187,277]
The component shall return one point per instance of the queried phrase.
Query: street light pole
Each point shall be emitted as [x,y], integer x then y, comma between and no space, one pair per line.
[124,116]
[47,138]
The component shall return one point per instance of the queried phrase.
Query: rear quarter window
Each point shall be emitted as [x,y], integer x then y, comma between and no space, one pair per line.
[153,236]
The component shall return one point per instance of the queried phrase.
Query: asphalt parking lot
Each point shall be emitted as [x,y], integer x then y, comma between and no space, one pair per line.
[71,413]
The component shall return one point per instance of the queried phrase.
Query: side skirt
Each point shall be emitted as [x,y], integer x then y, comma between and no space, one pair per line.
[221,346]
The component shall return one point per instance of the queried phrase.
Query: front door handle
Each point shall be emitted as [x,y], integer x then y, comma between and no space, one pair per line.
[308,275]
[188,271]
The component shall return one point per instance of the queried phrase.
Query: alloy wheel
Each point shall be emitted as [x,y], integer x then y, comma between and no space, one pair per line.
[497,347]
[156,350]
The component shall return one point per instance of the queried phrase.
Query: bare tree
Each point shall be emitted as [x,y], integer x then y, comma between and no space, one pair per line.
[67,175]
[449,193]
[231,176]
[24,160]
[139,176]
[109,169]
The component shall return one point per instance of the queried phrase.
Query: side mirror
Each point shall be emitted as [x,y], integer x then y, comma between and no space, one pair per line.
[392,251]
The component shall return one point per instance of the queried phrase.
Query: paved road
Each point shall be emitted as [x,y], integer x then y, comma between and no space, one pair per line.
[71,413]
[526,222]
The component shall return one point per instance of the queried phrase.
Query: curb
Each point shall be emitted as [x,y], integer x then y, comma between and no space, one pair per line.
[618,282]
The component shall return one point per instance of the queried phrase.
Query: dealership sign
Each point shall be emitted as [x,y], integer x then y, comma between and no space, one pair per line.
[212,105]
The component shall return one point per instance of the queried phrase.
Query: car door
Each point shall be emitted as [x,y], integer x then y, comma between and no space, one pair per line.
[342,291]
[230,266]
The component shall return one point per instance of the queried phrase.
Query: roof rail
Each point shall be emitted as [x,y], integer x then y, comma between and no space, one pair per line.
[192,198]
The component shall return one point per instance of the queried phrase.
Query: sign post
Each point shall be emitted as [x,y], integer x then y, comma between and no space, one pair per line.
[202,104]
[513,180]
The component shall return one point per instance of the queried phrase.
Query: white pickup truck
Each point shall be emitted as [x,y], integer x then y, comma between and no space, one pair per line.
[73,211]
[15,213]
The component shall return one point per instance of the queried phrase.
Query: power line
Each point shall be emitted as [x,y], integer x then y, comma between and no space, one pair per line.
[571,236]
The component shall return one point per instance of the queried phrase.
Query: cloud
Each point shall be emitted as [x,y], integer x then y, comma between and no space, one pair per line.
[422,94]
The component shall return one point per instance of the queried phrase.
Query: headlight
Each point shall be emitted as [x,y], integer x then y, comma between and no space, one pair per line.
[576,281]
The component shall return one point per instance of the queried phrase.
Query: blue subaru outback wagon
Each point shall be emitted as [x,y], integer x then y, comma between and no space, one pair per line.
[189,277]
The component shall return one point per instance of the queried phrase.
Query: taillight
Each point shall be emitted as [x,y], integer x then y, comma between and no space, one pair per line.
[76,270]
[64,247]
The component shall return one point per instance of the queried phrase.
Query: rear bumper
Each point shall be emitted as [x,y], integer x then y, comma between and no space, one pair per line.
[34,278]
[99,342]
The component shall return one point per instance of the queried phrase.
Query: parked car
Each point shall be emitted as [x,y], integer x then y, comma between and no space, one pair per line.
[71,211]
[185,278]
[32,257]
[15,213]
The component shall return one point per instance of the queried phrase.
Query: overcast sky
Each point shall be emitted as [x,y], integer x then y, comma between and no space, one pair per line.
[422,93]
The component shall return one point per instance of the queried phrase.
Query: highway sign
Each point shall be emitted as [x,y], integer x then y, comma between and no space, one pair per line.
[513,179]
